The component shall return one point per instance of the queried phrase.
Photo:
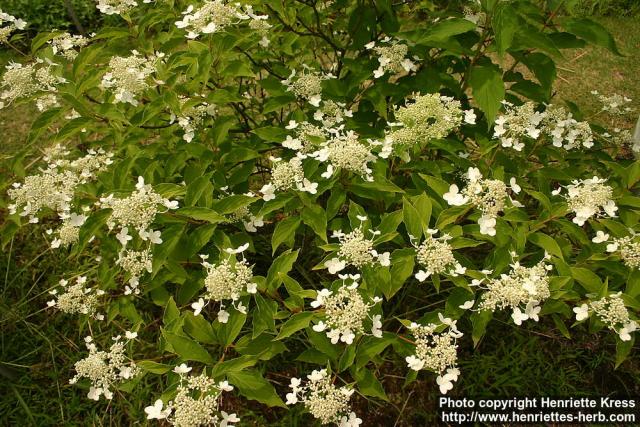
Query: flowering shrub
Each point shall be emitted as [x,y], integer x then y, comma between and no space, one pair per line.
[330,184]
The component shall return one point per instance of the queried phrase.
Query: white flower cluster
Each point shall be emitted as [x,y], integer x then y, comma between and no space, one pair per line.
[589,197]
[116,7]
[129,76]
[392,57]
[523,121]
[105,369]
[65,44]
[564,130]
[23,81]
[356,250]
[77,298]
[197,402]
[55,186]
[522,290]
[516,123]
[137,211]
[192,116]
[429,116]
[615,104]
[345,151]
[628,247]
[332,113]
[306,85]
[69,231]
[435,256]
[345,312]
[243,215]
[323,399]
[287,175]
[487,195]
[135,263]
[612,312]
[307,137]
[216,15]
[436,350]
[225,281]
[8,24]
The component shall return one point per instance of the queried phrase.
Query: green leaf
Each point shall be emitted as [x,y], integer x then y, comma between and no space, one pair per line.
[271,134]
[411,219]
[252,385]
[592,32]
[488,89]
[402,263]
[588,279]
[280,266]
[623,348]
[263,315]
[153,367]
[297,322]
[202,214]
[479,322]
[199,328]
[369,385]
[188,349]
[505,24]
[284,232]
[547,243]
[316,218]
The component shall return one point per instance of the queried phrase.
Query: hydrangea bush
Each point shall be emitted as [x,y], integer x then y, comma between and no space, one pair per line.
[307,189]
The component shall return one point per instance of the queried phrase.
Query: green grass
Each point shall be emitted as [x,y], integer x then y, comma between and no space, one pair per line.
[38,348]
[596,68]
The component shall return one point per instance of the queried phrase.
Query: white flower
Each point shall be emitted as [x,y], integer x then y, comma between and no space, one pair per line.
[384,259]
[514,186]
[329,172]
[182,369]
[445,383]
[252,288]
[335,265]
[453,197]
[268,192]
[612,247]
[94,393]
[600,237]
[198,306]
[414,363]
[225,386]
[376,329]
[223,316]
[130,335]
[532,310]
[470,117]
[237,250]
[156,411]
[581,312]
[467,305]
[321,326]
[518,316]
[292,398]
[123,236]
[241,308]
[422,275]
[227,419]
[152,236]
[625,331]
[487,225]
[347,337]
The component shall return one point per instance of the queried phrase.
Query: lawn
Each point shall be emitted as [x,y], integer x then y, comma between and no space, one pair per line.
[38,349]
